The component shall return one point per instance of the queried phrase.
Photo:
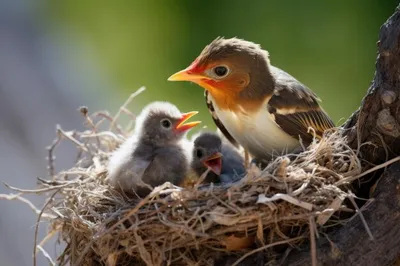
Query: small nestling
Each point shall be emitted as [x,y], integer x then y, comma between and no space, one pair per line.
[224,162]
[155,153]
[254,104]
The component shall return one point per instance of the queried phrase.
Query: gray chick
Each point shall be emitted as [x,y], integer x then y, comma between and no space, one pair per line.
[224,162]
[154,154]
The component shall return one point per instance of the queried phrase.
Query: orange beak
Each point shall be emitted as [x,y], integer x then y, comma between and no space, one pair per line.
[214,162]
[187,75]
[182,127]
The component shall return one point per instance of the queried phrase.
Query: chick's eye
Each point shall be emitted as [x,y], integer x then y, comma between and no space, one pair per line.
[199,153]
[220,71]
[165,123]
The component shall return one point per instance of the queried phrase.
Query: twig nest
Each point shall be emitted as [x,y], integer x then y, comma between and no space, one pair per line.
[101,226]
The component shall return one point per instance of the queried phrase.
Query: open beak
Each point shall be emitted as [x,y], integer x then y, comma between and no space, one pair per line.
[214,162]
[186,75]
[182,126]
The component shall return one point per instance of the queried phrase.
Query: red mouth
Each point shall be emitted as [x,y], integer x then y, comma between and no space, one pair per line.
[214,163]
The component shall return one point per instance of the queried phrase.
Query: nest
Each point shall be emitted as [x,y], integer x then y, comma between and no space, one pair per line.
[285,204]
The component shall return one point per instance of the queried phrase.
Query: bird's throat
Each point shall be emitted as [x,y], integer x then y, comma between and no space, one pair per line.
[232,101]
[225,101]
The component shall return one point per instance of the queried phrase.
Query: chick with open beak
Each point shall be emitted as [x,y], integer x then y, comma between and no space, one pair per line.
[155,153]
[224,162]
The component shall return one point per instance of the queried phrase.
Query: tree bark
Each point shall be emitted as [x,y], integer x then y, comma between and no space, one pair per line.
[375,122]
[351,245]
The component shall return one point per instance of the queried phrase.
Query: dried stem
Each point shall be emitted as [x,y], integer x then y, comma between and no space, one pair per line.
[127,102]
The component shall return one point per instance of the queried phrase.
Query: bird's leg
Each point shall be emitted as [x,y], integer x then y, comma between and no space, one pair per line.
[260,163]
[299,150]
[246,159]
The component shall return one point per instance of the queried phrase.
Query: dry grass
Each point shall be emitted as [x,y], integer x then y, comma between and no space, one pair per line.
[286,203]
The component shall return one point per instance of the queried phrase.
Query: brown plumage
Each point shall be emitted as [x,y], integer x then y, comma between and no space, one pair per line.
[253,103]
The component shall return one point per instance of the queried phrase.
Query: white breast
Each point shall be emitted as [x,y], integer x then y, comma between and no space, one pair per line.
[258,133]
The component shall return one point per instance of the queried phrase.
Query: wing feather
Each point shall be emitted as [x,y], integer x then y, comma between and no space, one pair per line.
[296,108]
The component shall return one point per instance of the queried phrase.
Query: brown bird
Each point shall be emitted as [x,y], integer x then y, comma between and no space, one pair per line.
[253,103]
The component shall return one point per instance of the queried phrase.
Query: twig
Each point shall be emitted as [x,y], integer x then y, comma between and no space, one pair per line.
[108,117]
[37,224]
[85,111]
[50,182]
[46,255]
[280,196]
[102,134]
[303,186]
[363,207]
[71,138]
[50,157]
[36,191]
[129,113]
[312,242]
[131,122]
[359,212]
[48,237]
[265,247]
[326,214]
[133,95]
[373,169]
[24,200]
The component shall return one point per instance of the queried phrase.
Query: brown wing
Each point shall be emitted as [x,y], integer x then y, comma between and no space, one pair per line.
[218,122]
[296,108]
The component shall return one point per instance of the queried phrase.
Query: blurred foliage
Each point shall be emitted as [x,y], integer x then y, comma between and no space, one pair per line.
[328,45]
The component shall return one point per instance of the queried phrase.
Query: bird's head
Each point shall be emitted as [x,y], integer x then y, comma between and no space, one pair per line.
[207,154]
[227,66]
[162,123]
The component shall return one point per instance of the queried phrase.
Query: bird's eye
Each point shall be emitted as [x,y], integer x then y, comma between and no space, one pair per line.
[220,71]
[165,123]
[199,153]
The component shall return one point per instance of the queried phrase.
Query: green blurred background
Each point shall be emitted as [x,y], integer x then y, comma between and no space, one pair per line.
[328,45]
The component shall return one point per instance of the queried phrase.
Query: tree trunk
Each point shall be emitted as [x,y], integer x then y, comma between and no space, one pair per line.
[375,122]
[351,245]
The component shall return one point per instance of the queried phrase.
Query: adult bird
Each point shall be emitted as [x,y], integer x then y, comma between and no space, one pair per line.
[224,162]
[254,104]
[155,153]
